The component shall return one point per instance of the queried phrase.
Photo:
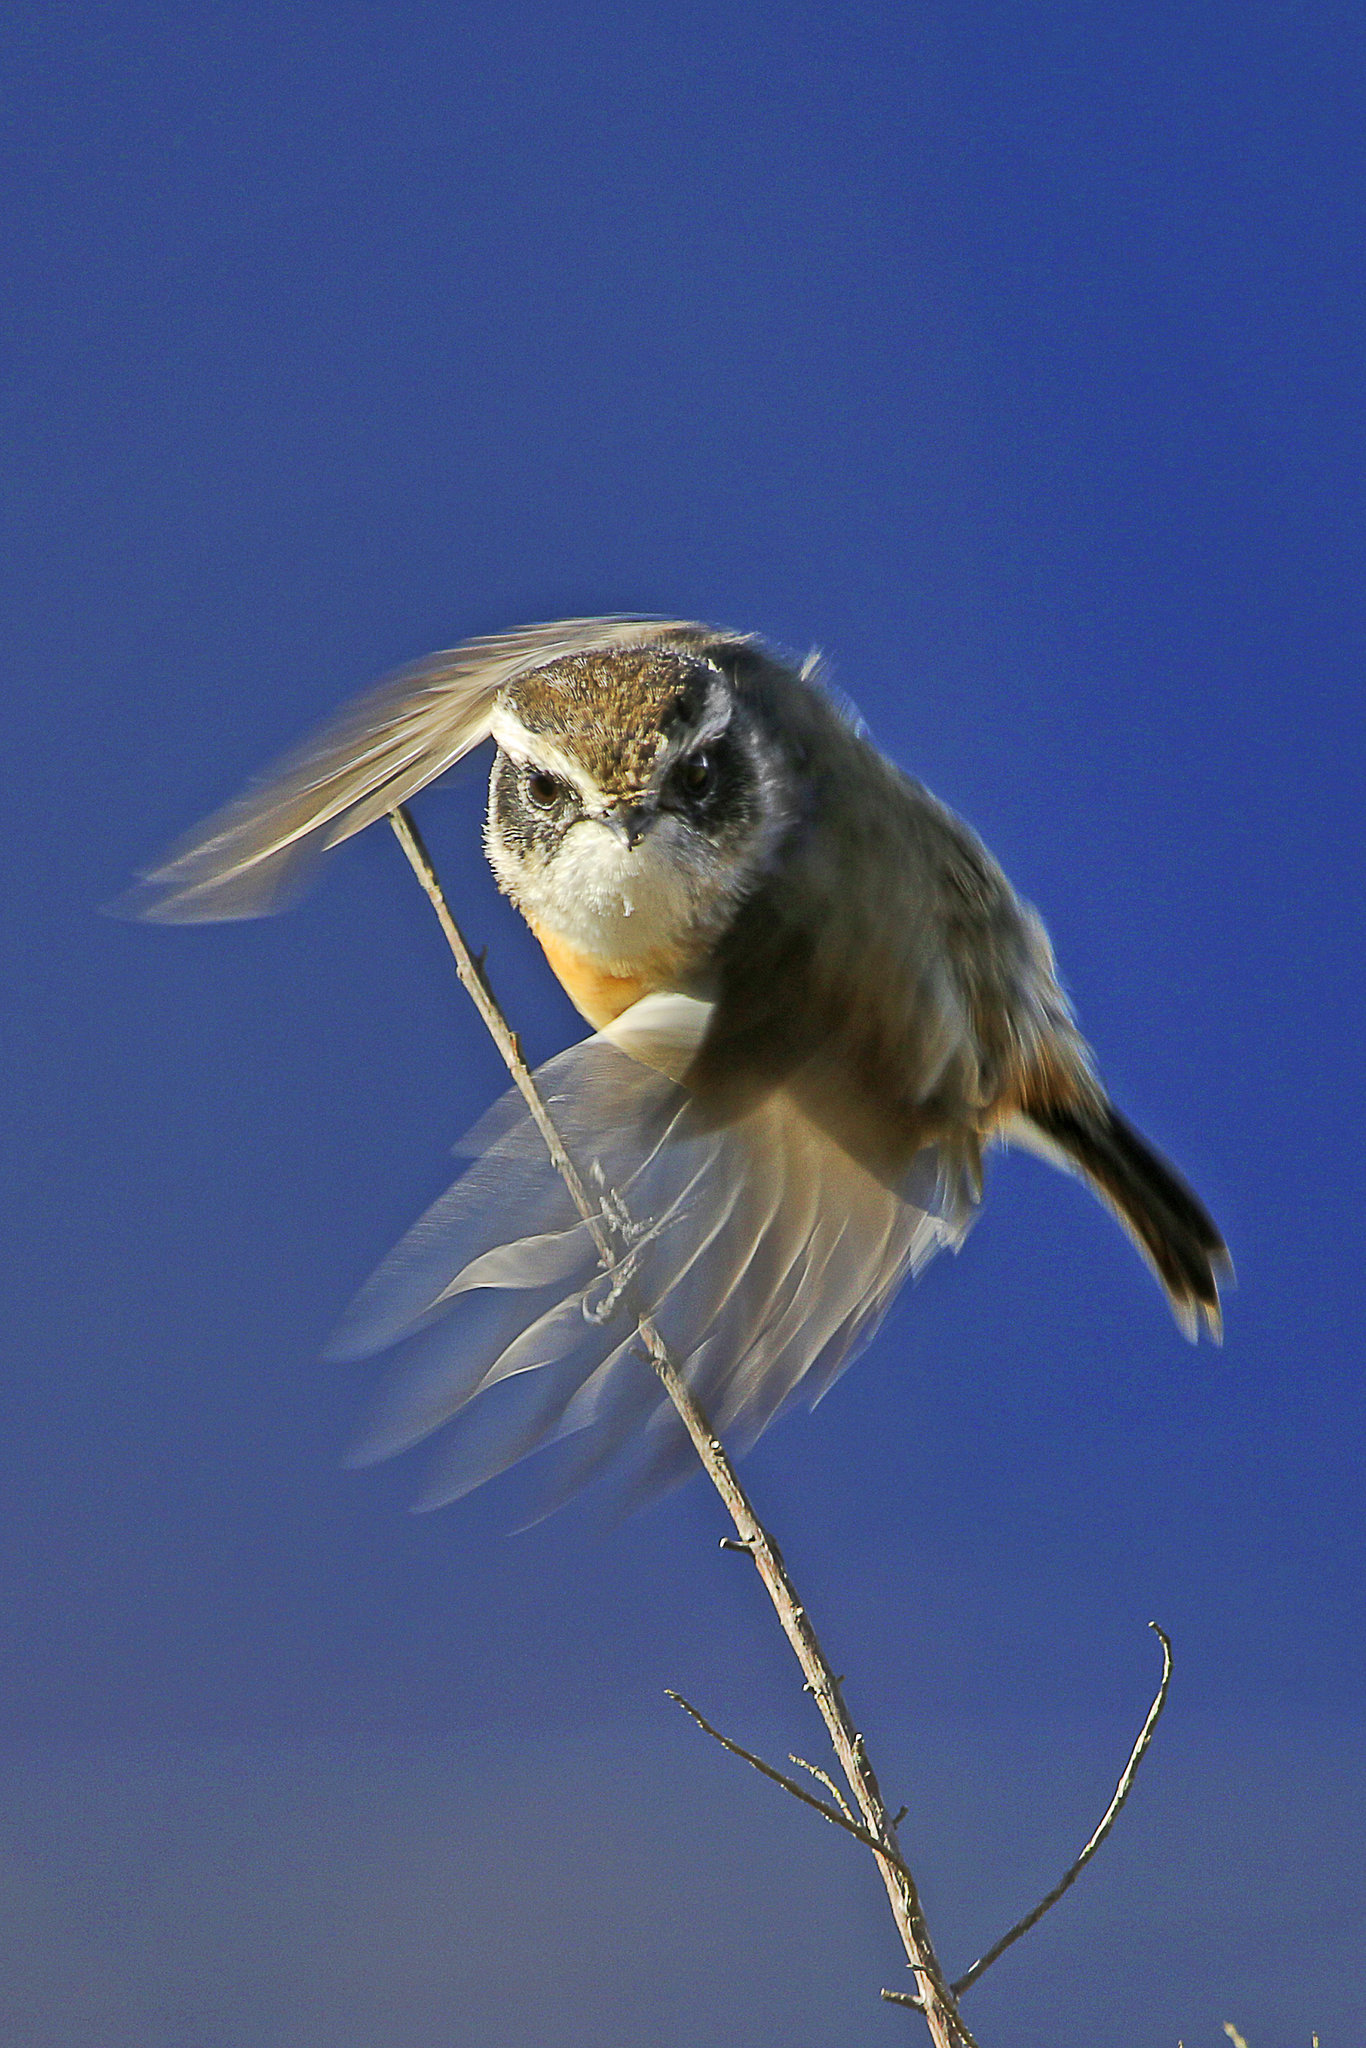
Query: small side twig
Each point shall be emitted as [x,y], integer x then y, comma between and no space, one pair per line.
[1107,1821]
[824,1778]
[837,1819]
[838,1816]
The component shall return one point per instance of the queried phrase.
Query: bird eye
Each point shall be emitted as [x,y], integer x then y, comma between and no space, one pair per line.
[698,776]
[544,790]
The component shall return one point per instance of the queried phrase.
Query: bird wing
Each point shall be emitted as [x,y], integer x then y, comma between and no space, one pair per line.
[764,1253]
[256,854]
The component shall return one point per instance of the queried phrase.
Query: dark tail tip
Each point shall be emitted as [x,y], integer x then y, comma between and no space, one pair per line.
[1170,1225]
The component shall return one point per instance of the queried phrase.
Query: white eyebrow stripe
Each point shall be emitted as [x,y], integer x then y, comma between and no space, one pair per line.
[536,750]
[714,721]
[716,713]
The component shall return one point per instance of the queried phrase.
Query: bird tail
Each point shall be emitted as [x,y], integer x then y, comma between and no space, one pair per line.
[1171,1227]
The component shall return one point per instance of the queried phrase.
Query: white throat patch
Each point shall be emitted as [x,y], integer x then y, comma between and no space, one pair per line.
[623,903]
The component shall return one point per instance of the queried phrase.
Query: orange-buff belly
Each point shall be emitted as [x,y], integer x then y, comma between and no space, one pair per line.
[595,991]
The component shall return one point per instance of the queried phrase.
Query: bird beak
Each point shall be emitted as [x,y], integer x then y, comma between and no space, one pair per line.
[629,822]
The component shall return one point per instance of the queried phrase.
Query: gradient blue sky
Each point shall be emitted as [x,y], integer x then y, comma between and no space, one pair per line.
[1012,354]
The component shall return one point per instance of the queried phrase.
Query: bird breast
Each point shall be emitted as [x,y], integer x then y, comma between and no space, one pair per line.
[618,922]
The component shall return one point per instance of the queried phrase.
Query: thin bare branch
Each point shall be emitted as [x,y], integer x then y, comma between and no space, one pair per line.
[1108,1819]
[824,1778]
[938,2004]
[836,1819]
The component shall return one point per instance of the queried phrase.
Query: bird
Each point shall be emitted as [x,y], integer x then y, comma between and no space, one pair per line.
[816,1002]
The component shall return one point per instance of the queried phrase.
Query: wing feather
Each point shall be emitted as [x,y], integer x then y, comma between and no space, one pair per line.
[254,855]
[765,1253]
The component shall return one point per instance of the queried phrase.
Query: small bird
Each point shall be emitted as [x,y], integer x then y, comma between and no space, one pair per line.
[816,1000]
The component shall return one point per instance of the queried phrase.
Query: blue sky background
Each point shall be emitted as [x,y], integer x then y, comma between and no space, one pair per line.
[1012,354]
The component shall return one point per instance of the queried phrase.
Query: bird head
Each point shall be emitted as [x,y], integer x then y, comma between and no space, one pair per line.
[630,802]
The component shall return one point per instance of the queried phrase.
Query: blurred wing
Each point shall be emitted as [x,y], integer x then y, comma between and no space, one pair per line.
[764,1253]
[258,852]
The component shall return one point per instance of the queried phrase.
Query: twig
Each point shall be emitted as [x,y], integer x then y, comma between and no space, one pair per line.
[834,1814]
[839,1817]
[938,2005]
[1108,1819]
[824,1778]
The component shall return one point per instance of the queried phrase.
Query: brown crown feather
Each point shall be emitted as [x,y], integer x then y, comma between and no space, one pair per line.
[612,710]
